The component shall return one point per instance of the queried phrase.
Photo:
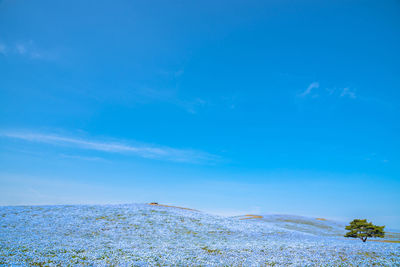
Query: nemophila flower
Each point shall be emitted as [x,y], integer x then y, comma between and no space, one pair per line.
[144,235]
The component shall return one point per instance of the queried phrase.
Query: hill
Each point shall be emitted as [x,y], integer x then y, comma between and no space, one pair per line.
[142,234]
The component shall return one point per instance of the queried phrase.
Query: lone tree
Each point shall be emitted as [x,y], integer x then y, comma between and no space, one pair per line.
[363,229]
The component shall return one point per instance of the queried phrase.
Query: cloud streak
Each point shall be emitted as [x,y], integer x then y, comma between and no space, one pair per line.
[346,92]
[3,48]
[144,151]
[309,89]
[328,92]
[26,49]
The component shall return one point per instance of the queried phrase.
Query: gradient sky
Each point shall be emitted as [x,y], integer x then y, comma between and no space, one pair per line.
[224,106]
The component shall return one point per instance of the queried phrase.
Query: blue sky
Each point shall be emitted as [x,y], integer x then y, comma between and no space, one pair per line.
[225,106]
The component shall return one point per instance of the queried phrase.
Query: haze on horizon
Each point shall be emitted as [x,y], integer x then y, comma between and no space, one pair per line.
[229,107]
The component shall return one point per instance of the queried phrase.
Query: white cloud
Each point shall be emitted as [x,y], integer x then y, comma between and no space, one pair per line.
[21,49]
[179,73]
[81,157]
[347,92]
[328,92]
[309,89]
[24,49]
[145,151]
[28,49]
[3,49]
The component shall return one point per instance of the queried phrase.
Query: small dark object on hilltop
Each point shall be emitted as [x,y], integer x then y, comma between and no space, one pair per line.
[154,203]
[363,229]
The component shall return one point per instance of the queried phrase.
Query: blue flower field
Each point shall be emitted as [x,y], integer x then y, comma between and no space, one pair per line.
[148,235]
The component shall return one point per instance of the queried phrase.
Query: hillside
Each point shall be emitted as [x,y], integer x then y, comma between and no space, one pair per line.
[316,226]
[142,234]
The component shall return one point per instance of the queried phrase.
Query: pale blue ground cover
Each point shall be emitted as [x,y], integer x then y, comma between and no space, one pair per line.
[142,235]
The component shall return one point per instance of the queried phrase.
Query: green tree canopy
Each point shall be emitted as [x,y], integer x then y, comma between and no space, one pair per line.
[363,229]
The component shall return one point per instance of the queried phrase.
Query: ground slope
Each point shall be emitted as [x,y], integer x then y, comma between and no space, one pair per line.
[141,235]
[316,226]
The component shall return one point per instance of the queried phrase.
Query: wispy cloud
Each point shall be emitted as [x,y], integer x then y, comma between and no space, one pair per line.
[309,89]
[143,150]
[3,48]
[194,105]
[328,92]
[21,49]
[346,92]
[172,73]
[82,157]
[27,49]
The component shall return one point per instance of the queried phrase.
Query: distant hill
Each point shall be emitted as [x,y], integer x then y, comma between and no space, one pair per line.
[310,225]
[316,226]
